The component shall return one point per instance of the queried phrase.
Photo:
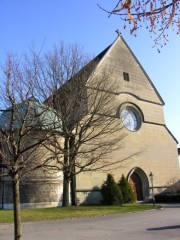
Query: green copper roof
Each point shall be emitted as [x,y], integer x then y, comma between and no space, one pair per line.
[32,114]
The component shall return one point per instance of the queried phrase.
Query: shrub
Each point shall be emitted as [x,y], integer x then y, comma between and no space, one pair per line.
[127,192]
[167,198]
[111,192]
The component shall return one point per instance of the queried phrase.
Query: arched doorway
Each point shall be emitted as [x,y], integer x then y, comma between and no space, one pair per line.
[136,184]
[139,183]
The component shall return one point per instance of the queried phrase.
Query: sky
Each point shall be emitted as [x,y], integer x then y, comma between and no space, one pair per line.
[43,23]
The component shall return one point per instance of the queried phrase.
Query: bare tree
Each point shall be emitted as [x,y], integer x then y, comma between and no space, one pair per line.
[52,71]
[90,128]
[85,106]
[24,128]
[156,16]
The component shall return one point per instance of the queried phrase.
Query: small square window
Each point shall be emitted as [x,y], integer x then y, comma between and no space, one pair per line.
[126,76]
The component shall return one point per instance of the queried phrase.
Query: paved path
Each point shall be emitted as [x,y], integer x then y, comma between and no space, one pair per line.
[149,225]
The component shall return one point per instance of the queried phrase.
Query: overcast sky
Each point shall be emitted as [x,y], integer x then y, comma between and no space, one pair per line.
[44,23]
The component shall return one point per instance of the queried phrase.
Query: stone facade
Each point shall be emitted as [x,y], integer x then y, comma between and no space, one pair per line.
[33,193]
[41,187]
[156,146]
[38,188]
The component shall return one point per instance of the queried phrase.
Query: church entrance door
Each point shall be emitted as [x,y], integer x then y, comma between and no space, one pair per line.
[136,184]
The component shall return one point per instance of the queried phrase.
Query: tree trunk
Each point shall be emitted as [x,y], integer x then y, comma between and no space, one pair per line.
[66,181]
[73,189]
[73,171]
[66,176]
[17,210]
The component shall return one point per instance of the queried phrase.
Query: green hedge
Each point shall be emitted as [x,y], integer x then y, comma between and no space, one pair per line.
[111,192]
[128,195]
[166,198]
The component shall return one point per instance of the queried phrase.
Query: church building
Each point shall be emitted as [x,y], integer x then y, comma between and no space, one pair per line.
[153,161]
[143,119]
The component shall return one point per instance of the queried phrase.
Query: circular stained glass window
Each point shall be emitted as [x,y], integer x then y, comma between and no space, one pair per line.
[130,118]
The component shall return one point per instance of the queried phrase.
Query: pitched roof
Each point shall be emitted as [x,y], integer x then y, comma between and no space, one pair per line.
[120,53]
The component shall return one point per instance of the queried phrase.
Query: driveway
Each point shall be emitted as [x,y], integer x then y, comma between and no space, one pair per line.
[161,224]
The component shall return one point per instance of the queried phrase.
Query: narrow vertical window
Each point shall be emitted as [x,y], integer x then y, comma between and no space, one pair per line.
[126,76]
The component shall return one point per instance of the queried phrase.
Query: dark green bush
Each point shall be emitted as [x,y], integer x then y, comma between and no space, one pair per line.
[127,192]
[167,198]
[111,192]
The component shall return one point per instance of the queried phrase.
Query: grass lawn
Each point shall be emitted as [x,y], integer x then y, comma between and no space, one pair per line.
[43,214]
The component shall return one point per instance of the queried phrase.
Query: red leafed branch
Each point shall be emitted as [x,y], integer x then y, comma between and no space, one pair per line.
[156,16]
